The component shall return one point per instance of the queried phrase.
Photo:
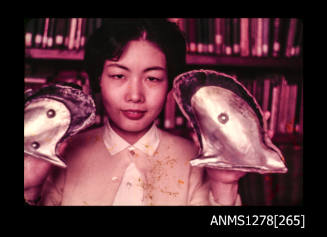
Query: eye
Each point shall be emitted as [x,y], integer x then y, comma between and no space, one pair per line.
[223,118]
[117,76]
[154,79]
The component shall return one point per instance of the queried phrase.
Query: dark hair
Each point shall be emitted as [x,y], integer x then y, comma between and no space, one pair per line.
[109,41]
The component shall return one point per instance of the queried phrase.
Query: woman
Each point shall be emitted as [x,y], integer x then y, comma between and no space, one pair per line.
[129,161]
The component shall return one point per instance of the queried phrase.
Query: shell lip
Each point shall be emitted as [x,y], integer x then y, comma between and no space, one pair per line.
[214,162]
[52,159]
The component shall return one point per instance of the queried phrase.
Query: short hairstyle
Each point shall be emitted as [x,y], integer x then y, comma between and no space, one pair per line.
[110,40]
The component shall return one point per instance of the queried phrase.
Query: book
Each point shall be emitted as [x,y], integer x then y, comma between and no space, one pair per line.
[253,32]
[45,33]
[191,33]
[39,32]
[282,115]
[265,37]
[299,111]
[276,38]
[275,100]
[67,32]
[83,33]
[266,94]
[211,35]
[219,35]
[50,41]
[200,35]
[283,34]
[258,38]
[236,36]
[204,31]
[60,32]
[291,104]
[301,114]
[30,25]
[244,37]
[77,41]
[290,49]
[259,90]
[72,33]
[227,45]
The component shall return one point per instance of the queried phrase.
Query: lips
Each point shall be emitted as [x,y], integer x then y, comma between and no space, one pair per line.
[133,114]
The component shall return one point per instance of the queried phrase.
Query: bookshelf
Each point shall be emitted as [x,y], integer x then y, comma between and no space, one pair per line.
[276,63]
[191,59]
[263,52]
[54,54]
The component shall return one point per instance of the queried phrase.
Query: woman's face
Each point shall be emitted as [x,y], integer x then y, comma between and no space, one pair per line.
[134,88]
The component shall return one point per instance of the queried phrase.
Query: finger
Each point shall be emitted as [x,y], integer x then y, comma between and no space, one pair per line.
[224,176]
[32,165]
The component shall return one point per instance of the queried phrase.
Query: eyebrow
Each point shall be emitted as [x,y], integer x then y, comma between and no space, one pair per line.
[127,69]
[155,68]
[117,65]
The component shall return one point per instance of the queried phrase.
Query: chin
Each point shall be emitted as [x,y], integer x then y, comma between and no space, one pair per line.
[136,127]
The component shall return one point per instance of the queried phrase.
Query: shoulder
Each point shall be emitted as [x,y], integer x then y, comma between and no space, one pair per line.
[178,145]
[86,138]
[83,143]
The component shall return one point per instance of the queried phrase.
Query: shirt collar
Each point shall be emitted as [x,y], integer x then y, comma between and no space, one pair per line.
[115,143]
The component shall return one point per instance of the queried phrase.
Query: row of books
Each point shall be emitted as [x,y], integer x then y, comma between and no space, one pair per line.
[274,93]
[283,98]
[245,37]
[59,33]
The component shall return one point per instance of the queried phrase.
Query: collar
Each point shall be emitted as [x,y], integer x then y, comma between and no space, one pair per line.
[115,143]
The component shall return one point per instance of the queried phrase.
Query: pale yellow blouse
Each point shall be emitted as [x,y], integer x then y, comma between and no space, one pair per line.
[97,160]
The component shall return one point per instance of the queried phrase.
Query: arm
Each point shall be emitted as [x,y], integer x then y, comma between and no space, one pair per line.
[223,186]
[38,176]
[53,187]
[35,174]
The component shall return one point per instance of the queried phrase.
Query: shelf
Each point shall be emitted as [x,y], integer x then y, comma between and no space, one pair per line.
[191,59]
[54,54]
[195,59]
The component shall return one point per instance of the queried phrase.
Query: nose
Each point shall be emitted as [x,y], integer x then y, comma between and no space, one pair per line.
[135,92]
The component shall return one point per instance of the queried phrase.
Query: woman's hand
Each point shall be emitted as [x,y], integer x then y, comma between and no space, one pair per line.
[224,185]
[224,176]
[35,173]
